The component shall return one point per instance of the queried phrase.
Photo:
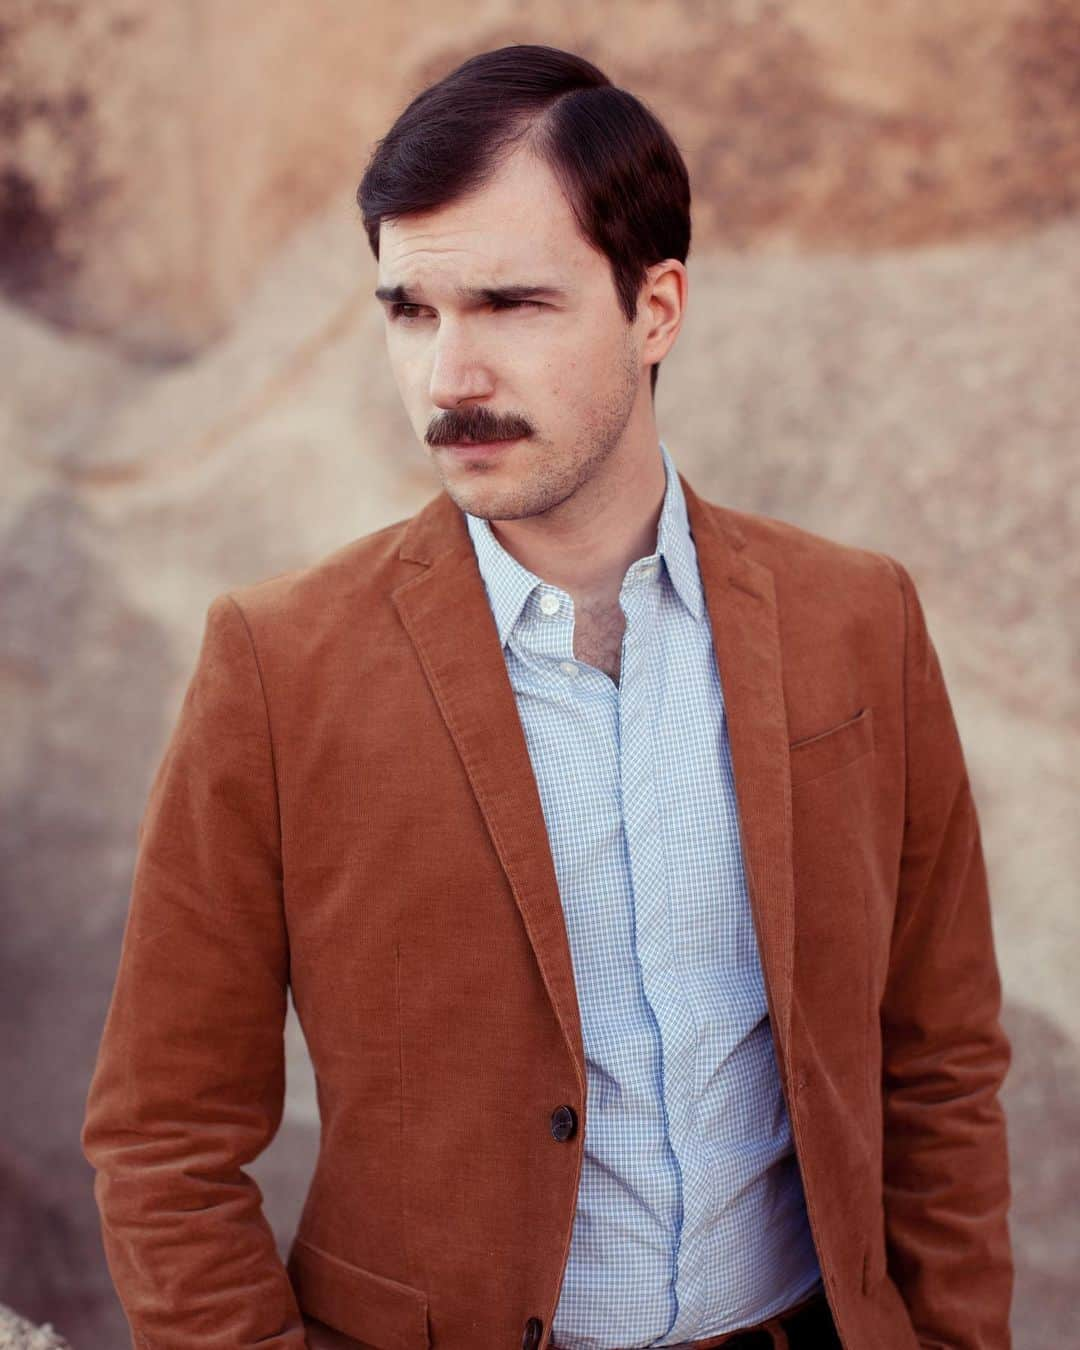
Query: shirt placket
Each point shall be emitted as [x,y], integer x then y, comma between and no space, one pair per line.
[653,917]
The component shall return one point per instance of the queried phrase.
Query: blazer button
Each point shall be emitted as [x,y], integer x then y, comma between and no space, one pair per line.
[563,1123]
[533,1334]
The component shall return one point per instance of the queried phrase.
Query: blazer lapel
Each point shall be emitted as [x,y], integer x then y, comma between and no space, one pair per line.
[446,615]
[740,596]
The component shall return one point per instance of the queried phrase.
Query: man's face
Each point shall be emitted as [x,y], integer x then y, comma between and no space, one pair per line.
[560,375]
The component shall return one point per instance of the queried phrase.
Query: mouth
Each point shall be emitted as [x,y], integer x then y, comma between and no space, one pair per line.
[477,449]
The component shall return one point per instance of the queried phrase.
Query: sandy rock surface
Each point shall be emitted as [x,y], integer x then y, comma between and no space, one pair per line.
[16,1333]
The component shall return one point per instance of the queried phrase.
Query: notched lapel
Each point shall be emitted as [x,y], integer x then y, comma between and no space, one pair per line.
[740,596]
[448,619]
[446,614]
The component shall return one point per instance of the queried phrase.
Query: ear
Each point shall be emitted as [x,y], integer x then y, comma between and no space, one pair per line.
[661,306]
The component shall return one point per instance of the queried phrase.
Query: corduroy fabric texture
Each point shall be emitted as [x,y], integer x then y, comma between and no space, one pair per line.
[347,809]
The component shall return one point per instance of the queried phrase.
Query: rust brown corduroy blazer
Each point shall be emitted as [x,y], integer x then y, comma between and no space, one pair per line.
[347,807]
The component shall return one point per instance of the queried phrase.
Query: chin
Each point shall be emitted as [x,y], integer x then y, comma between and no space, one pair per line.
[485,505]
[467,497]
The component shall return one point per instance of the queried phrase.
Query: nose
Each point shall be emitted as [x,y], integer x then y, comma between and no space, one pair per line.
[459,370]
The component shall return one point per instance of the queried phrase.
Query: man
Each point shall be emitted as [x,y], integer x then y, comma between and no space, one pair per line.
[617,847]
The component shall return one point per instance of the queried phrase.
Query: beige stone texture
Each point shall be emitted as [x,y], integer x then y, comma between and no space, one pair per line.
[16,1333]
[153,157]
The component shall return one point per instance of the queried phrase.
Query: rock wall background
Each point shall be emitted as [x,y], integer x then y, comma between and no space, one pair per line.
[881,345]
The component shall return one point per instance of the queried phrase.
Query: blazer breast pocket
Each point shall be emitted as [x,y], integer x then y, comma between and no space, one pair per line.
[814,756]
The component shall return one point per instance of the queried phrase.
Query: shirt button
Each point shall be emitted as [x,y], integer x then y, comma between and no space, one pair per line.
[549,604]
[568,667]
[651,570]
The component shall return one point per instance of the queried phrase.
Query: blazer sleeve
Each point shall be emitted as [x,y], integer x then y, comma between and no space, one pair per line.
[945,1055]
[189,1080]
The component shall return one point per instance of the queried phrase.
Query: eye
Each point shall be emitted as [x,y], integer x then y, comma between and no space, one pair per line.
[405,312]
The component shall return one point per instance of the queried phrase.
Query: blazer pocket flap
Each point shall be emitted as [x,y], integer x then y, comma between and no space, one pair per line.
[356,1301]
[832,749]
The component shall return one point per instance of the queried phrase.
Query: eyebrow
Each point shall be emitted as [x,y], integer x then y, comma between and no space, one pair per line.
[401,295]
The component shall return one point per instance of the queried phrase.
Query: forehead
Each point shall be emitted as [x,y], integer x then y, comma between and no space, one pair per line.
[519,226]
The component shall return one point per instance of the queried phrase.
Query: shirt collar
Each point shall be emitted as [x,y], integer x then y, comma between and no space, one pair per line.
[509,584]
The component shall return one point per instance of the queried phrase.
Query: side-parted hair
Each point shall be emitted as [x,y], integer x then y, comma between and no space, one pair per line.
[621,171]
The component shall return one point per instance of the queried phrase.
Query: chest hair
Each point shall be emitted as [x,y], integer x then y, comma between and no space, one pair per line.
[598,635]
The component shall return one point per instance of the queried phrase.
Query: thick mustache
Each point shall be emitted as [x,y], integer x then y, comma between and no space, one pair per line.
[452,433]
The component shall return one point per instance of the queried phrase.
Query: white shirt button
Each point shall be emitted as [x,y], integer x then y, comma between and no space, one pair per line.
[568,667]
[549,604]
[651,570]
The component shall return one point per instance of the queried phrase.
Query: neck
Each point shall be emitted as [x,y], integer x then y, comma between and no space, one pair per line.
[612,521]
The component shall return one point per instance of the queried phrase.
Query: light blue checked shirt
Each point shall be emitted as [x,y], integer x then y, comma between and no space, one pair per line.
[690,1218]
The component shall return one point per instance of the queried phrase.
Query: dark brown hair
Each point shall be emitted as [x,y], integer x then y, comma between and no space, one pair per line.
[621,171]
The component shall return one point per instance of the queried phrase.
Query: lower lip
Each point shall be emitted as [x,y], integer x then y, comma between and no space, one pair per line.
[482,450]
